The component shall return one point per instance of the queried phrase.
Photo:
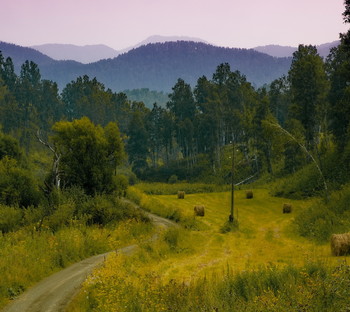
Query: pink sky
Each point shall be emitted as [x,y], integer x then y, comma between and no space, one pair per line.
[123,23]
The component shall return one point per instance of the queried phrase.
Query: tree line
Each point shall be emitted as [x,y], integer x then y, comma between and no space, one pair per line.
[195,130]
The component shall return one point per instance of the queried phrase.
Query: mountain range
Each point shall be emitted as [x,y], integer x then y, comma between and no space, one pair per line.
[93,53]
[83,54]
[286,51]
[155,65]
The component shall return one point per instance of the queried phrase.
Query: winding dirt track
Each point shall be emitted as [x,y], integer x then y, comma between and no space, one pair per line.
[54,293]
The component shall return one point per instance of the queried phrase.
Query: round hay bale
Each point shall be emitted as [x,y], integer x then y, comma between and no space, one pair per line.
[249,194]
[287,208]
[180,194]
[340,244]
[199,210]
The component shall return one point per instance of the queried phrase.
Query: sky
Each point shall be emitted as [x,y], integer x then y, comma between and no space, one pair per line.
[124,23]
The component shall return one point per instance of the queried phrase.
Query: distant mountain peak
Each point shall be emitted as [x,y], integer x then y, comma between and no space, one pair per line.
[162,39]
[287,51]
[83,54]
[276,50]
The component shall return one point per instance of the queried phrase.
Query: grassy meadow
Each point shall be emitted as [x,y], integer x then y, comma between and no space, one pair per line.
[263,265]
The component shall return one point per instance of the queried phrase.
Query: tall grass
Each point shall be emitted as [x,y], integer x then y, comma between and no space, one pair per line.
[154,205]
[188,188]
[28,255]
[119,286]
[322,219]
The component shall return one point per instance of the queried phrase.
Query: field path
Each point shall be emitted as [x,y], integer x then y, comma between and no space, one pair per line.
[54,293]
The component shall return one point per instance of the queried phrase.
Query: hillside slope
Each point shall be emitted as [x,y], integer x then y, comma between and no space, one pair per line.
[83,54]
[158,66]
[155,66]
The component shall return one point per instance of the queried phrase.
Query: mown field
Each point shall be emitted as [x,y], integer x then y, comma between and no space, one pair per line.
[264,265]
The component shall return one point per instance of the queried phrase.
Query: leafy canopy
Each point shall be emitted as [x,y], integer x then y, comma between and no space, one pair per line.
[88,153]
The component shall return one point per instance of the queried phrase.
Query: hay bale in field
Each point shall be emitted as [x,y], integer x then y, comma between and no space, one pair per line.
[287,208]
[340,244]
[249,194]
[180,194]
[199,210]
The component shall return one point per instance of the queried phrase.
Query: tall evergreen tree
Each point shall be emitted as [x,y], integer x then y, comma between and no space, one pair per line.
[28,93]
[183,107]
[339,96]
[309,87]
[137,143]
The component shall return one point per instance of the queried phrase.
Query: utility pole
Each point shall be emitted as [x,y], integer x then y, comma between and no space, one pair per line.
[231,217]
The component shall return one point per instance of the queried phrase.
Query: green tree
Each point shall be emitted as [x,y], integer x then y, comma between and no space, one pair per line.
[346,13]
[28,93]
[137,143]
[17,185]
[279,99]
[263,142]
[88,154]
[9,147]
[85,97]
[339,96]
[154,128]
[50,107]
[182,106]
[8,74]
[309,87]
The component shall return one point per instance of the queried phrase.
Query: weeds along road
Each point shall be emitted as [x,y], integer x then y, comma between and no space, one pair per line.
[54,293]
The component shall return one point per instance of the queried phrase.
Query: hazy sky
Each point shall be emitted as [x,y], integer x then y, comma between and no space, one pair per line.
[123,23]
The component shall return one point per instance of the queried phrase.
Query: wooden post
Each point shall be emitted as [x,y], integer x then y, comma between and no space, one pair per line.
[231,217]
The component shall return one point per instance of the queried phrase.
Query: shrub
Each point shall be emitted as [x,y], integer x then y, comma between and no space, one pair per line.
[10,218]
[121,184]
[17,186]
[173,179]
[322,219]
[171,237]
[62,216]
[304,183]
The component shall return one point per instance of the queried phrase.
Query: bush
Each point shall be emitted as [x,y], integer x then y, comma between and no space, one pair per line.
[323,219]
[17,186]
[10,218]
[121,184]
[62,216]
[304,183]
[173,179]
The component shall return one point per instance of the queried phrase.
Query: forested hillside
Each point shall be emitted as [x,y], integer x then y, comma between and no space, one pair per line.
[158,66]
[155,66]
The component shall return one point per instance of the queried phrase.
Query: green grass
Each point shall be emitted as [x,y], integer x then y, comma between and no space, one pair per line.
[172,189]
[263,265]
[27,255]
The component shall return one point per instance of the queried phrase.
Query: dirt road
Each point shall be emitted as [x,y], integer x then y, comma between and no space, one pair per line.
[55,292]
